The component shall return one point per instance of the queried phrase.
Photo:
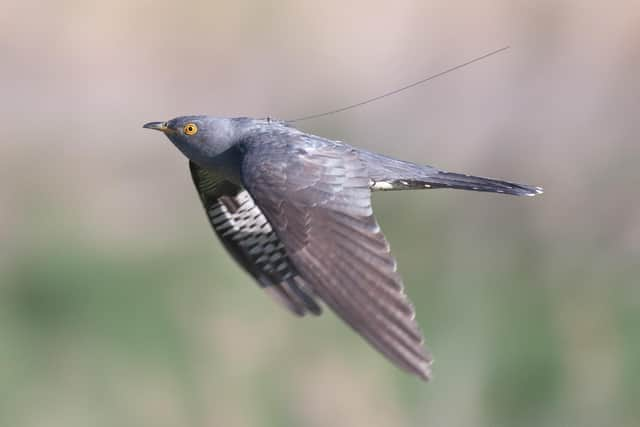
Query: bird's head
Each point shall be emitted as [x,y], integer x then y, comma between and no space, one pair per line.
[198,137]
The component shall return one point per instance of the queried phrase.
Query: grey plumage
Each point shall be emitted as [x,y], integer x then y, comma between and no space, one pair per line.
[294,210]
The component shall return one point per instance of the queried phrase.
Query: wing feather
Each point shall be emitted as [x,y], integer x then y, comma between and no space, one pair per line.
[248,236]
[316,196]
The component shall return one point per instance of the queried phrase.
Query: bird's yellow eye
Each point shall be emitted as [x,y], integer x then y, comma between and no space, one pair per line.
[190,129]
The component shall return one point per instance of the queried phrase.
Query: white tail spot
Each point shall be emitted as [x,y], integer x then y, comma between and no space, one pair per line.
[380,185]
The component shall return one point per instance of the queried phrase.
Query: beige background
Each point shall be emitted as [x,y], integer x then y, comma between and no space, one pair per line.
[119,307]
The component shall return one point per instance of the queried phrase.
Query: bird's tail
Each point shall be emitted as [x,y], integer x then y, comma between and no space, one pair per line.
[441,179]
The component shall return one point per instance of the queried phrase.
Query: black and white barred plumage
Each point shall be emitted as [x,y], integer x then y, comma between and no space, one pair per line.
[248,236]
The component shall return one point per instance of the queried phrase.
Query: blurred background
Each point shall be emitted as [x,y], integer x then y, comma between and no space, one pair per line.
[119,307]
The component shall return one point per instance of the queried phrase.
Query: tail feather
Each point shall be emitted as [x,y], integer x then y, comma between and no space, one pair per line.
[442,179]
[387,173]
[477,183]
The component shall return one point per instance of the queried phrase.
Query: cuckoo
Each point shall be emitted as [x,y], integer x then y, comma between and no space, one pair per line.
[294,210]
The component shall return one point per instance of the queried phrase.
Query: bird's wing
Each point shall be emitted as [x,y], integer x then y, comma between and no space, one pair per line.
[248,236]
[317,198]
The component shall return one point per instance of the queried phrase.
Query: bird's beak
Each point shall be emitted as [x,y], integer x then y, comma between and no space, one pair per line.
[161,126]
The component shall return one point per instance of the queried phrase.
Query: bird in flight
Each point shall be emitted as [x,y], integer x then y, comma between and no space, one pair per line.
[294,210]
